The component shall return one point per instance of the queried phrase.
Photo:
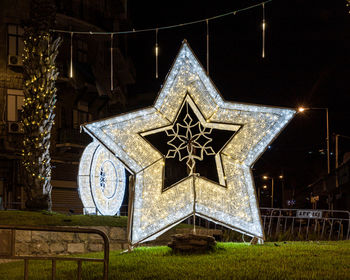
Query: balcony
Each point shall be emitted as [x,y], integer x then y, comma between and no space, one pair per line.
[71,137]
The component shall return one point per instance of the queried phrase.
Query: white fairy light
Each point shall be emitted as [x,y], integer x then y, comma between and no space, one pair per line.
[232,202]
[263,32]
[101,181]
[71,56]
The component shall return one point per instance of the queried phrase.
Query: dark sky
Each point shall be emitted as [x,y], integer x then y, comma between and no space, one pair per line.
[307,62]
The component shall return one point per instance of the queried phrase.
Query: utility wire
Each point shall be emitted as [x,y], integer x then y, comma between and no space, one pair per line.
[162,27]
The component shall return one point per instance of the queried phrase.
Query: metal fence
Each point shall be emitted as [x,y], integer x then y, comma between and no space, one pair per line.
[305,224]
[10,254]
[293,224]
[290,224]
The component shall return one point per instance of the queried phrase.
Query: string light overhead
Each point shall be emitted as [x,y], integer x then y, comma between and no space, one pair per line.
[156,51]
[163,27]
[207,23]
[263,32]
[71,56]
[112,87]
[133,31]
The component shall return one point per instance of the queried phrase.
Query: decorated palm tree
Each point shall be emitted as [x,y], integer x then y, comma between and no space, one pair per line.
[40,74]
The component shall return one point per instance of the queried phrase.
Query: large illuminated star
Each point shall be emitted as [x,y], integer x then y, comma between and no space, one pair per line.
[232,201]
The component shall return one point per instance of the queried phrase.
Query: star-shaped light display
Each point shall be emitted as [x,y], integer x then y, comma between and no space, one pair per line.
[232,201]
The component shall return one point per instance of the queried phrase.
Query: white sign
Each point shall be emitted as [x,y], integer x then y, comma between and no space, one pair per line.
[309,214]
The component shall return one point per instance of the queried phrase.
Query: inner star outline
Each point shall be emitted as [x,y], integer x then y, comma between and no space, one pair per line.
[189,140]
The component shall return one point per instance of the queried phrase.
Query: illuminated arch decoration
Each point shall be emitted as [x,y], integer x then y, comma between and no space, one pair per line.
[101,181]
[232,200]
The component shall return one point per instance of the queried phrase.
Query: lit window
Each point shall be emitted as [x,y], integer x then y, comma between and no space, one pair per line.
[15,101]
[15,39]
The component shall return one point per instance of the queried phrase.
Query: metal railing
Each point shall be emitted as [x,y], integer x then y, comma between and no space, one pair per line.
[72,136]
[53,259]
[306,224]
[287,224]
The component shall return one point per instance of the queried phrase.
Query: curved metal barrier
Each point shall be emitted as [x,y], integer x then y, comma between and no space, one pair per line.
[54,259]
[306,223]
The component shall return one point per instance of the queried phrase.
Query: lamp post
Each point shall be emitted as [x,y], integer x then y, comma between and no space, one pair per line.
[302,109]
[259,193]
[281,177]
[272,186]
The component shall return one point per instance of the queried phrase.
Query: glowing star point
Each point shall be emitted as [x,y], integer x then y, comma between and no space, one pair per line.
[230,200]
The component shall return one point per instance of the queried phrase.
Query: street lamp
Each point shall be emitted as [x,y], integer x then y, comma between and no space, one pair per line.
[302,109]
[259,195]
[272,185]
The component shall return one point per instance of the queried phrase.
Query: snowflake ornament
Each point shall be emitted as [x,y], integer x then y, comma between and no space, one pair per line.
[190,142]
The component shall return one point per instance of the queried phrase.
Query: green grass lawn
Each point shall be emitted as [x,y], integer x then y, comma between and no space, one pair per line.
[45,218]
[291,260]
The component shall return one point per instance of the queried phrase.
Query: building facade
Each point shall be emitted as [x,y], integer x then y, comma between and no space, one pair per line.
[333,190]
[86,96]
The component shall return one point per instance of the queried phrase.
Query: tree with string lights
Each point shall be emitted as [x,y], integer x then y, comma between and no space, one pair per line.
[40,74]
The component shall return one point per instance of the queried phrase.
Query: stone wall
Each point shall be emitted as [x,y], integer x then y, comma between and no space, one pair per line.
[44,243]
[65,243]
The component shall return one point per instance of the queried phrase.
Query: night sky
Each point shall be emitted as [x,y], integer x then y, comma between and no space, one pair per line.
[307,63]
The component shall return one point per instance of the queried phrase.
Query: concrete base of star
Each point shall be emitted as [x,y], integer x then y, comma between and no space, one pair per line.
[192,243]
